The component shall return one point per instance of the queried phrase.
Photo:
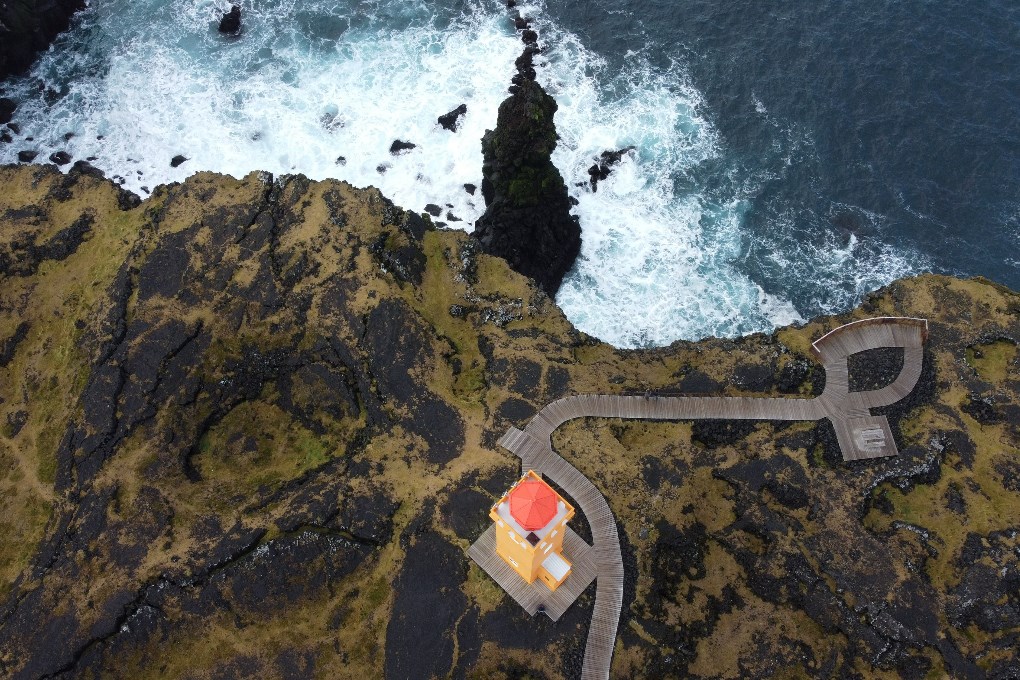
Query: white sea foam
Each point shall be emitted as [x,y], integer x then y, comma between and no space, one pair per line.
[307,82]
[657,261]
[276,101]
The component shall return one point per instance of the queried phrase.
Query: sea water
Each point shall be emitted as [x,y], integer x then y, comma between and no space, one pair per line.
[738,210]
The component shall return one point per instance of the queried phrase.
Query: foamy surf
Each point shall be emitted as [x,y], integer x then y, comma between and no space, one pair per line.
[275,100]
[324,88]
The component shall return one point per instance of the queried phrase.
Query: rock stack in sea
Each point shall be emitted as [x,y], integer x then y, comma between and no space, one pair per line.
[230,22]
[527,220]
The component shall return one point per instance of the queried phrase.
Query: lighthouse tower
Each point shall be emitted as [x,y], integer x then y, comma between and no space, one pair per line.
[531,520]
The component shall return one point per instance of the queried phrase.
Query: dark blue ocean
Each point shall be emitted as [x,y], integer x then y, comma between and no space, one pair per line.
[900,119]
[789,157]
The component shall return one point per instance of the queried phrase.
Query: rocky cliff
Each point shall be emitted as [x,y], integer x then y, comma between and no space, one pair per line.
[28,27]
[248,430]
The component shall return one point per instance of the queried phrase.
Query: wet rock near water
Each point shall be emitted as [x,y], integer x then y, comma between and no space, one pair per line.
[398,147]
[230,22]
[451,121]
[7,109]
[177,161]
[603,166]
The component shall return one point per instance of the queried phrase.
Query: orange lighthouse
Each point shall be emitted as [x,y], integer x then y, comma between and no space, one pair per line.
[531,519]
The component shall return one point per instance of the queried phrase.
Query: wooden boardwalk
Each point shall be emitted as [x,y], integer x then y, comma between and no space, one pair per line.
[538,455]
[860,435]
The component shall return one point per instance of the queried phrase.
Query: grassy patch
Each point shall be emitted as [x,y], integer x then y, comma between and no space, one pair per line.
[993,361]
[21,529]
[257,447]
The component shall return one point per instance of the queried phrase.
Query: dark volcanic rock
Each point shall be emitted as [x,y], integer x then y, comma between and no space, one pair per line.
[780,476]
[461,512]
[7,109]
[60,158]
[27,155]
[9,345]
[716,433]
[792,376]
[754,377]
[258,405]
[516,411]
[604,165]
[22,258]
[231,21]
[981,409]
[698,382]
[451,120]
[527,221]
[403,259]
[873,369]
[677,556]
[427,590]
[28,27]
[398,146]
[177,160]
[987,595]
[399,345]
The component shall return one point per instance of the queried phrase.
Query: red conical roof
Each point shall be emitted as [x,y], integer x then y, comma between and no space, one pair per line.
[532,504]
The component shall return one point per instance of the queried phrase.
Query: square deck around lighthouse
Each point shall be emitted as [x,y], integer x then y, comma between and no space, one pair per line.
[531,596]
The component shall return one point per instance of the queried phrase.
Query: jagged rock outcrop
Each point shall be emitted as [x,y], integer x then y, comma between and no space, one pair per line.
[399,146]
[230,22]
[527,219]
[451,120]
[603,165]
[28,27]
